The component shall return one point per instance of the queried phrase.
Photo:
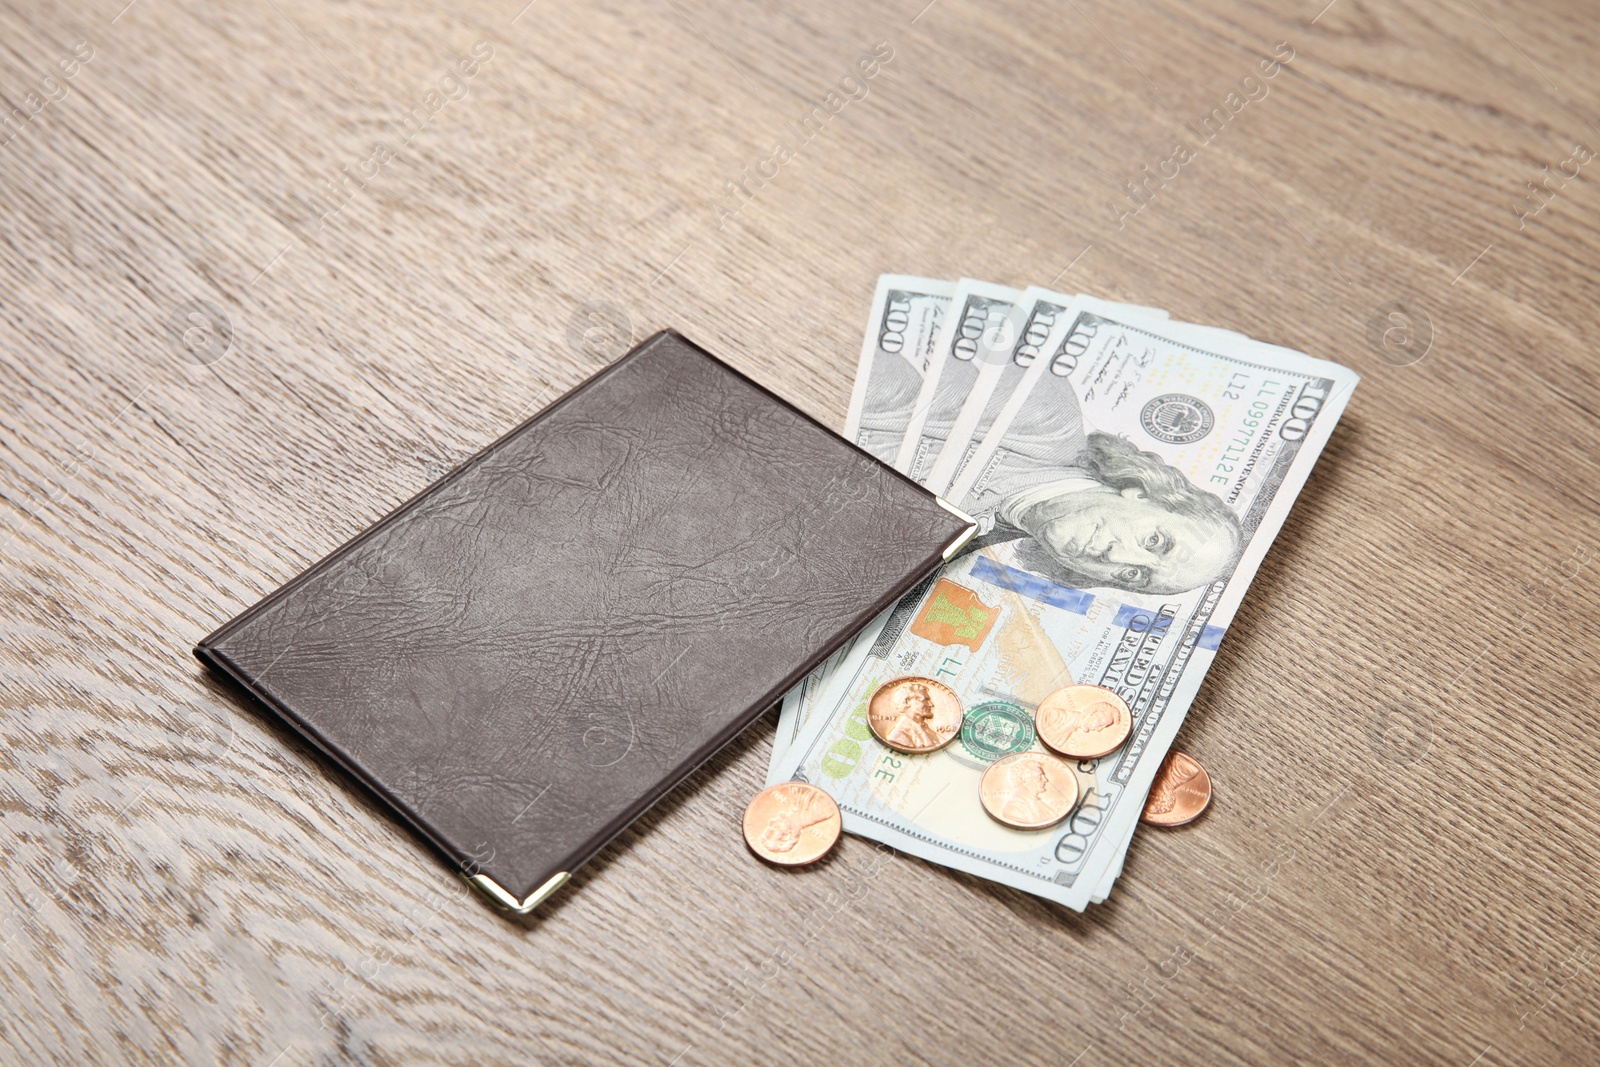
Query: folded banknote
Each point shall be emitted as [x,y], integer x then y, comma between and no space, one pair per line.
[1129,474]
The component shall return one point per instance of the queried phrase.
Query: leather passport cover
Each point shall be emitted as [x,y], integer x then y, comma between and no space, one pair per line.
[529,653]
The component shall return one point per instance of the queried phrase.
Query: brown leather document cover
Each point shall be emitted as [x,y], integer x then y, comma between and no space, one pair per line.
[529,653]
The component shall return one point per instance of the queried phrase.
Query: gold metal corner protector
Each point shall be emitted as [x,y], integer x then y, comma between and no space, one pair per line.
[965,535]
[491,891]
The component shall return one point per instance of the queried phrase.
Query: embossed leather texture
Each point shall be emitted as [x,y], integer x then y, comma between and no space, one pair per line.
[525,656]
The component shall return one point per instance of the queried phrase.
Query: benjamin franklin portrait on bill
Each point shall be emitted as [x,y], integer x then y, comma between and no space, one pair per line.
[1092,510]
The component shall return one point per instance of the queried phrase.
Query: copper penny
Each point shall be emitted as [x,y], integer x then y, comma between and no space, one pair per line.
[1029,790]
[1083,721]
[1179,794]
[915,715]
[791,824]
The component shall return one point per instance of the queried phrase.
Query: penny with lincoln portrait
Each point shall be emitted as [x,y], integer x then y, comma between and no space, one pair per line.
[1029,790]
[1083,721]
[791,824]
[915,715]
[1181,791]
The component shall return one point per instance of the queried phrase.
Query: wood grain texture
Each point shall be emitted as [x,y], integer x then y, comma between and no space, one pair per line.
[185,882]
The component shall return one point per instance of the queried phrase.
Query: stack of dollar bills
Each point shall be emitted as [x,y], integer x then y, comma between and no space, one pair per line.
[1128,473]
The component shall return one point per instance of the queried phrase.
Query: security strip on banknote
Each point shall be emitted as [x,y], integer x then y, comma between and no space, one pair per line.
[1130,476]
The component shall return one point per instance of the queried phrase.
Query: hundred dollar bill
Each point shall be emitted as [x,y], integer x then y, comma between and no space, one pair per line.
[1128,491]
[1201,336]
[896,358]
[977,324]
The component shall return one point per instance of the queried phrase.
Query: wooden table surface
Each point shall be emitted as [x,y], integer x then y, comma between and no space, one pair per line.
[268,268]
